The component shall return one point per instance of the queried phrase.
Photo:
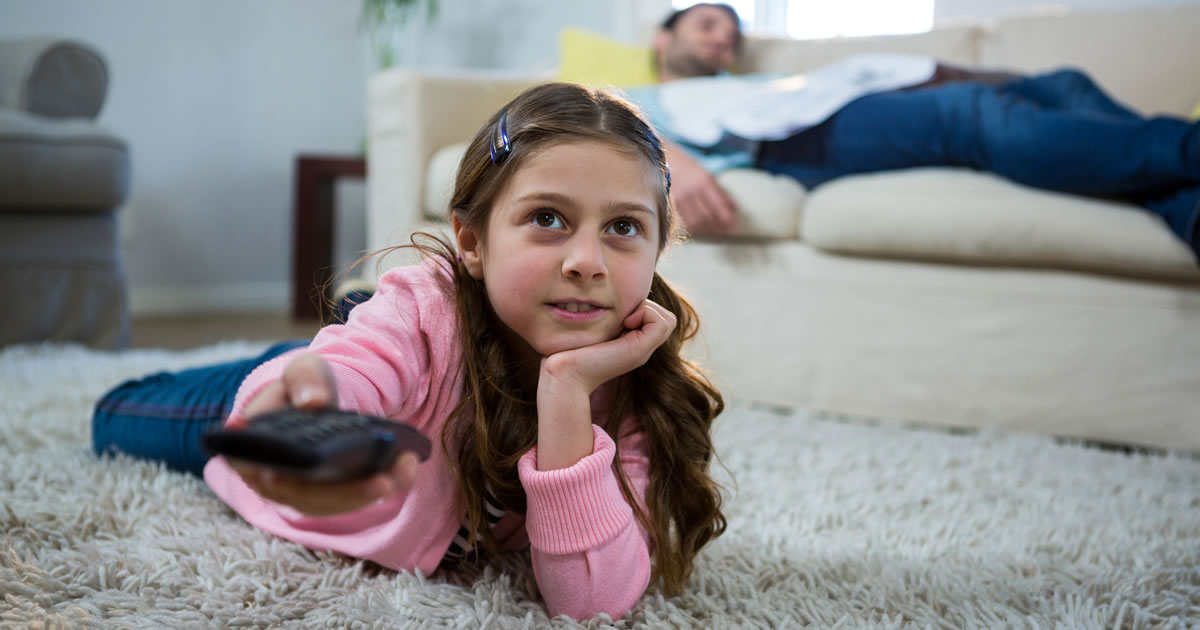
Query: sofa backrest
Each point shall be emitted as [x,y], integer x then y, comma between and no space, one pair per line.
[1148,58]
[955,44]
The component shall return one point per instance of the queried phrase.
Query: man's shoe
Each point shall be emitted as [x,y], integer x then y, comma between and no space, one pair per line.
[349,293]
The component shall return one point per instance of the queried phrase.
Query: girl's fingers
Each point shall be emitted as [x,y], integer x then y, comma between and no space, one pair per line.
[324,499]
[634,320]
[272,397]
[649,325]
[404,471]
[309,383]
[655,317]
[661,310]
[327,499]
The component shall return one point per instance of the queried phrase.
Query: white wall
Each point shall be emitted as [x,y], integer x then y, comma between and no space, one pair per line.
[217,97]
[954,9]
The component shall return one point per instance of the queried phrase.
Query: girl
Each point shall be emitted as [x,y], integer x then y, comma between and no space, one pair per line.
[543,352]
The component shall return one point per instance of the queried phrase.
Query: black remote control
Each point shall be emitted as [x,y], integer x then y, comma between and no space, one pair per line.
[326,445]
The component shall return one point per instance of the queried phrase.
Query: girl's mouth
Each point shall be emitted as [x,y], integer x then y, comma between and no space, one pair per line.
[576,311]
[576,307]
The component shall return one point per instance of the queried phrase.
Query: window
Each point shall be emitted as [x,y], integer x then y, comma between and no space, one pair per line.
[809,19]
[814,18]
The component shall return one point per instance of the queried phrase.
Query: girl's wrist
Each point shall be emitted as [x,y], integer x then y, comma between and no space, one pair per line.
[564,415]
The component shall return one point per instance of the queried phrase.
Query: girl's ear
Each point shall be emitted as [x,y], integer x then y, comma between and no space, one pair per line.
[469,248]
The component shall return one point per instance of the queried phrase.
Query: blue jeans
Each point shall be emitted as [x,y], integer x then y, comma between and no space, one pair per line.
[163,416]
[1055,131]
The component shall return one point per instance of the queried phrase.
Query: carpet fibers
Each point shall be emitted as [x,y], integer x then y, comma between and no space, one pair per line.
[832,524]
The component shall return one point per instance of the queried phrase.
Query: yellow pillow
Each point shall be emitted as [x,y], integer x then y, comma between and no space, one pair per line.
[598,61]
[1196,112]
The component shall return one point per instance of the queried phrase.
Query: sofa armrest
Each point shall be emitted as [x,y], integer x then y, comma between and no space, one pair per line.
[410,115]
[52,77]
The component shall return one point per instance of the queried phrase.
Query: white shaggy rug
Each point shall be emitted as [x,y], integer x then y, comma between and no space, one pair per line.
[832,524]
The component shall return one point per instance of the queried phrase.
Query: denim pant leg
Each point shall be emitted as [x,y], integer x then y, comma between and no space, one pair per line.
[1067,151]
[878,132]
[1180,208]
[978,126]
[164,416]
[1075,91]
[1069,90]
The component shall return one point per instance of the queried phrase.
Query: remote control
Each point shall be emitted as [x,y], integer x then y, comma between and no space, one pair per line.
[328,445]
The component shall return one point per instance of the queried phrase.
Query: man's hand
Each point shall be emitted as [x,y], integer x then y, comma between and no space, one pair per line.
[702,205]
[308,383]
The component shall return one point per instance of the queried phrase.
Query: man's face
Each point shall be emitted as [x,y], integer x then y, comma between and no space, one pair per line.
[703,43]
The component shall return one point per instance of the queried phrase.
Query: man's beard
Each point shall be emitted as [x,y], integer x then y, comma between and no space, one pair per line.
[688,65]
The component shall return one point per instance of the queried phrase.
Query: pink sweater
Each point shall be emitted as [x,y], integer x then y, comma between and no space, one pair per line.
[399,356]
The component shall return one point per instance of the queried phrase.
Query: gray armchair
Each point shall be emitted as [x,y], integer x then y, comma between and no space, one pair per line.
[62,180]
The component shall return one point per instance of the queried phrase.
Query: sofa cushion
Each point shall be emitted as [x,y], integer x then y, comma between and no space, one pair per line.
[439,181]
[769,205]
[966,216]
[52,77]
[592,59]
[65,165]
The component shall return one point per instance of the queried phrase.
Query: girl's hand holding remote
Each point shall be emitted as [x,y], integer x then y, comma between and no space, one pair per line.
[308,383]
[568,378]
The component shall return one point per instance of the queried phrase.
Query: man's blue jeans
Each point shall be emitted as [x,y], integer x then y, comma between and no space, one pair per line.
[1056,131]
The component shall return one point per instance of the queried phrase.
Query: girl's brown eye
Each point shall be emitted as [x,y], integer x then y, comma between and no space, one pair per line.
[623,227]
[545,219]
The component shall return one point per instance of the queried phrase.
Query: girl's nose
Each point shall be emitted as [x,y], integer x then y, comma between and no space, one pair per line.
[584,259]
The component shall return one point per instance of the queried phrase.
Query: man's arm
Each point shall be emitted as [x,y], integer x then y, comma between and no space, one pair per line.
[703,207]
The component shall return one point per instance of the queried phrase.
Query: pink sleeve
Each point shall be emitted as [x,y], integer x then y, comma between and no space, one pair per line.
[380,358]
[590,554]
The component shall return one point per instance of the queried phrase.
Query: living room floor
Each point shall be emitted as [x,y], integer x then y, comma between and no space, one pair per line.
[181,332]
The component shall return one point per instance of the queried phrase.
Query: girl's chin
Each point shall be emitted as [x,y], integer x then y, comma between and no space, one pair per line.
[554,346]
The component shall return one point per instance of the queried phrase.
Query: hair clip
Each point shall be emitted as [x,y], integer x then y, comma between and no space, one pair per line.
[667,176]
[500,146]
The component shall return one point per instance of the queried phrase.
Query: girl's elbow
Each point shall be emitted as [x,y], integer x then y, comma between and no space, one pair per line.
[614,599]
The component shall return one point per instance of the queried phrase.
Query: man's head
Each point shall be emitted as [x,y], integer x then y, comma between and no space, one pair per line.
[698,41]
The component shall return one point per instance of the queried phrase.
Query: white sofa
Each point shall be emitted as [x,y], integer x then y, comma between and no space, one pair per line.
[936,296]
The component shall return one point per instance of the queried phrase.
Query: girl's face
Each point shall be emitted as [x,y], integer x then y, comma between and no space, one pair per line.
[570,248]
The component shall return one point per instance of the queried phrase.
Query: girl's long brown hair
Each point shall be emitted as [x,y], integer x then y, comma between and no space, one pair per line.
[496,421]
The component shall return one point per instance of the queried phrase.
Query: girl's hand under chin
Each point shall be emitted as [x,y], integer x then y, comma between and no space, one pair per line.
[307,383]
[589,367]
[568,378]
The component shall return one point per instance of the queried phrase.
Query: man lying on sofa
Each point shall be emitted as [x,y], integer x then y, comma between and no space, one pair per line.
[1055,131]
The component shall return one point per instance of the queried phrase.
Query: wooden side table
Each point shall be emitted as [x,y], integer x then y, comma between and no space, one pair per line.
[312,227]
